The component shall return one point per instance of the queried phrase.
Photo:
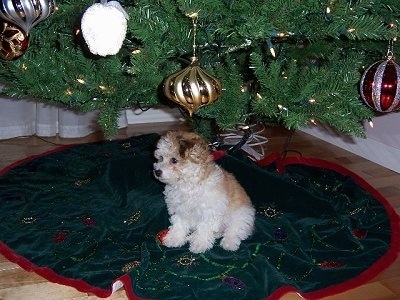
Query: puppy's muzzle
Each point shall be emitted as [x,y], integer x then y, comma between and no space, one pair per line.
[157,173]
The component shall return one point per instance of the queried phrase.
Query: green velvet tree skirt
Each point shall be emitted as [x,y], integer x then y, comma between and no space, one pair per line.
[89,216]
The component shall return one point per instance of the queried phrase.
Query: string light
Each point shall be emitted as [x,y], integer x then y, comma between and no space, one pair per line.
[81,81]
[311,101]
[328,14]
[272,51]
[271,48]
[282,108]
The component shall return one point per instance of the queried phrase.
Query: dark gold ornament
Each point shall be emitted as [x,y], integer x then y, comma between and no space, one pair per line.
[13,41]
[192,87]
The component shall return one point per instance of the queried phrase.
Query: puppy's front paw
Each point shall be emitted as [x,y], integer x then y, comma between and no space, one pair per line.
[174,238]
[200,243]
[197,248]
[230,244]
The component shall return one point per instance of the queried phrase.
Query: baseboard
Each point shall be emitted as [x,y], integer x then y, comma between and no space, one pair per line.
[367,148]
[153,115]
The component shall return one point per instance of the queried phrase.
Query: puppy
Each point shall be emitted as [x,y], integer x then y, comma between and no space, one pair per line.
[204,201]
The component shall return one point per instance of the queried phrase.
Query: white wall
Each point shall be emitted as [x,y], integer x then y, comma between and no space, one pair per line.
[381,146]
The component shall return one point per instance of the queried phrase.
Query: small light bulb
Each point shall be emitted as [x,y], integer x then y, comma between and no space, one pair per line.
[272,50]
[80,80]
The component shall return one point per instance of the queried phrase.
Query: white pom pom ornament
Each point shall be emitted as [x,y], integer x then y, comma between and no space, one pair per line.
[104,27]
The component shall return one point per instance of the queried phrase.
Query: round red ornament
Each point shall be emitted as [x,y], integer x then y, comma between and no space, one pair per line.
[380,86]
[13,40]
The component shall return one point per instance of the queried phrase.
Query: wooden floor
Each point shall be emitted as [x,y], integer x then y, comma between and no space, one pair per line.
[17,284]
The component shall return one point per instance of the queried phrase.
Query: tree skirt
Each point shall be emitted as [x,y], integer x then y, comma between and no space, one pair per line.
[89,216]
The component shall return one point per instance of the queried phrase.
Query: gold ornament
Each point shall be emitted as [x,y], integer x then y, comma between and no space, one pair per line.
[192,87]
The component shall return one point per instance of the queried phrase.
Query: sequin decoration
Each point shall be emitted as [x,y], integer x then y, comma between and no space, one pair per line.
[359,233]
[28,220]
[330,264]
[88,221]
[134,218]
[130,266]
[233,282]
[186,260]
[280,235]
[82,182]
[269,211]
[60,237]
[126,145]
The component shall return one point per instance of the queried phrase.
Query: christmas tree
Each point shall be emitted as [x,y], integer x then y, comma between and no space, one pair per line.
[286,61]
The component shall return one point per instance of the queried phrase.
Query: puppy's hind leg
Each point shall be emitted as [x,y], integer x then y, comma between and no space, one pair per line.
[240,227]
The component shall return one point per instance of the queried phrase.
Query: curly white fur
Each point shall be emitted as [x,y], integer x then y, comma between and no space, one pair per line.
[204,201]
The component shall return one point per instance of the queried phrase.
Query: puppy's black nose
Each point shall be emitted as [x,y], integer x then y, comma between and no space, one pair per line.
[157,173]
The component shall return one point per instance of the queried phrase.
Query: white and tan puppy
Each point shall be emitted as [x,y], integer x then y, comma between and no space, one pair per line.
[204,201]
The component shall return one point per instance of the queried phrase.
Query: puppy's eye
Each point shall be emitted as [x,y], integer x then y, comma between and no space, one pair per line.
[160,159]
[173,160]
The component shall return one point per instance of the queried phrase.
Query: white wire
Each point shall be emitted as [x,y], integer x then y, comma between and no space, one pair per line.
[256,139]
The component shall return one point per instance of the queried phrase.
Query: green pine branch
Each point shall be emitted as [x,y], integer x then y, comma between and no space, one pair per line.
[320,48]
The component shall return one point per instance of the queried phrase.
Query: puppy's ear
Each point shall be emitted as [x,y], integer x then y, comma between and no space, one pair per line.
[185,146]
[200,152]
[195,148]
